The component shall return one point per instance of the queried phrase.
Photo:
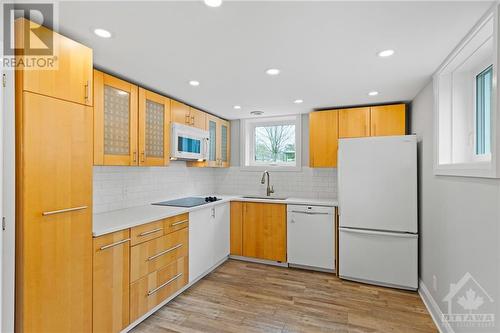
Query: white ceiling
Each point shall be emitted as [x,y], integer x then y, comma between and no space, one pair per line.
[326,50]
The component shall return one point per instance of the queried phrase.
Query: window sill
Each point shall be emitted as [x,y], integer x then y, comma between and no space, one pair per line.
[478,169]
[262,168]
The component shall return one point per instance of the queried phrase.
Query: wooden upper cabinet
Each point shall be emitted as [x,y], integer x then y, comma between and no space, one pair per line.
[71,78]
[264,231]
[154,129]
[388,120]
[186,115]
[219,144]
[354,123]
[115,121]
[198,118]
[225,147]
[179,113]
[111,281]
[323,138]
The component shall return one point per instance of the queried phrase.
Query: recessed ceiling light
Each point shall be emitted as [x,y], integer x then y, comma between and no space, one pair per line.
[213,3]
[237,107]
[298,101]
[257,113]
[373,93]
[386,53]
[102,33]
[194,83]
[272,71]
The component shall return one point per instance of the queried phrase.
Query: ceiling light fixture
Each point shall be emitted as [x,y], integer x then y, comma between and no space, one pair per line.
[194,83]
[272,71]
[386,53]
[373,93]
[102,33]
[213,3]
[298,101]
[237,107]
[257,113]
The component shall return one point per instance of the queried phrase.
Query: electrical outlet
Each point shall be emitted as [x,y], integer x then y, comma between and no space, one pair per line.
[435,283]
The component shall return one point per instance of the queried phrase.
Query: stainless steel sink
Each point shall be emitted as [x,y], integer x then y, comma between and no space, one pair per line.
[263,197]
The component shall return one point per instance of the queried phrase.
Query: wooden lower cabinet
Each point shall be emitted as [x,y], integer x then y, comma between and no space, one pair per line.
[154,254]
[151,290]
[236,228]
[264,231]
[111,282]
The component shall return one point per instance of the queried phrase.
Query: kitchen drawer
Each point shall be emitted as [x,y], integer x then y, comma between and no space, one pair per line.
[146,232]
[150,256]
[175,223]
[151,290]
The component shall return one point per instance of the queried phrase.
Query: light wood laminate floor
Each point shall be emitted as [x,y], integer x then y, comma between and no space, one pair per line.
[247,297]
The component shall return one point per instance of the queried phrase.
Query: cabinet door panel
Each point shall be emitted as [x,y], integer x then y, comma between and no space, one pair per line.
[156,287]
[323,139]
[264,231]
[354,123]
[224,144]
[179,113]
[214,141]
[111,282]
[54,250]
[388,120]
[221,221]
[71,80]
[154,129]
[198,118]
[236,228]
[115,121]
[201,240]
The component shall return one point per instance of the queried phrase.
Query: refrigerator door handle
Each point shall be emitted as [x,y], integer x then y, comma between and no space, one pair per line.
[379,233]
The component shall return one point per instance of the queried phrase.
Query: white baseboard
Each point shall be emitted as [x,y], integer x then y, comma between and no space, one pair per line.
[433,309]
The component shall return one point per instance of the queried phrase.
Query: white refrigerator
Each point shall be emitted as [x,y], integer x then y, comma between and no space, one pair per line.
[377,190]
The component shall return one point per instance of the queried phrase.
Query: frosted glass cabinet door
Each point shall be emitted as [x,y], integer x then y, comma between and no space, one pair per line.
[213,143]
[154,125]
[115,121]
[224,144]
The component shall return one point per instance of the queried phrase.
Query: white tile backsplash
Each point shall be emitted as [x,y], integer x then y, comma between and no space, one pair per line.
[307,183]
[122,187]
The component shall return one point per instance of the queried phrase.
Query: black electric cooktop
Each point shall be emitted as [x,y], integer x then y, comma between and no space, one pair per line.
[187,202]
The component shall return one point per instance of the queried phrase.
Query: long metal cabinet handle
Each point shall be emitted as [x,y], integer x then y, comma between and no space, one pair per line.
[150,232]
[310,213]
[114,244]
[52,212]
[87,93]
[180,222]
[379,233]
[164,252]
[151,292]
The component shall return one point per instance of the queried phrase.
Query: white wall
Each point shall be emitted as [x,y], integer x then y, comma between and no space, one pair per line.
[459,220]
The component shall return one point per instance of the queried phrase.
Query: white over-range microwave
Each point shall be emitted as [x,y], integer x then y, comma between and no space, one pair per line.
[188,143]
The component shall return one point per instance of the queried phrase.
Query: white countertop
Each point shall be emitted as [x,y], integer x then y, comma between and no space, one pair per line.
[105,223]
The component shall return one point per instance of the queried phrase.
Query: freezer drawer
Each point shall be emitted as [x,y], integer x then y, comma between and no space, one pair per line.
[311,236]
[383,258]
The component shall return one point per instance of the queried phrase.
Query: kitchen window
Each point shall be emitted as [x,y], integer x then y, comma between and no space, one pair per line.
[271,143]
[465,108]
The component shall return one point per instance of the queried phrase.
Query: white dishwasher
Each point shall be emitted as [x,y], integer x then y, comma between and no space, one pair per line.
[311,237]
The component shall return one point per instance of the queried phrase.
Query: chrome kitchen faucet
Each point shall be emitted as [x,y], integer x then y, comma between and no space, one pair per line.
[270,189]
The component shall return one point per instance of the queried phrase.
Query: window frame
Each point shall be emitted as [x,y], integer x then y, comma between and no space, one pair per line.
[247,142]
[479,166]
[482,69]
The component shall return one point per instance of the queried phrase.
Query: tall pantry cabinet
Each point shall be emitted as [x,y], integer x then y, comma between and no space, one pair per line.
[54,191]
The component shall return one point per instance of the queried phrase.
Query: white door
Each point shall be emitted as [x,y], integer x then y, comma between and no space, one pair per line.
[201,240]
[384,258]
[310,236]
[377,183]
[221,221]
